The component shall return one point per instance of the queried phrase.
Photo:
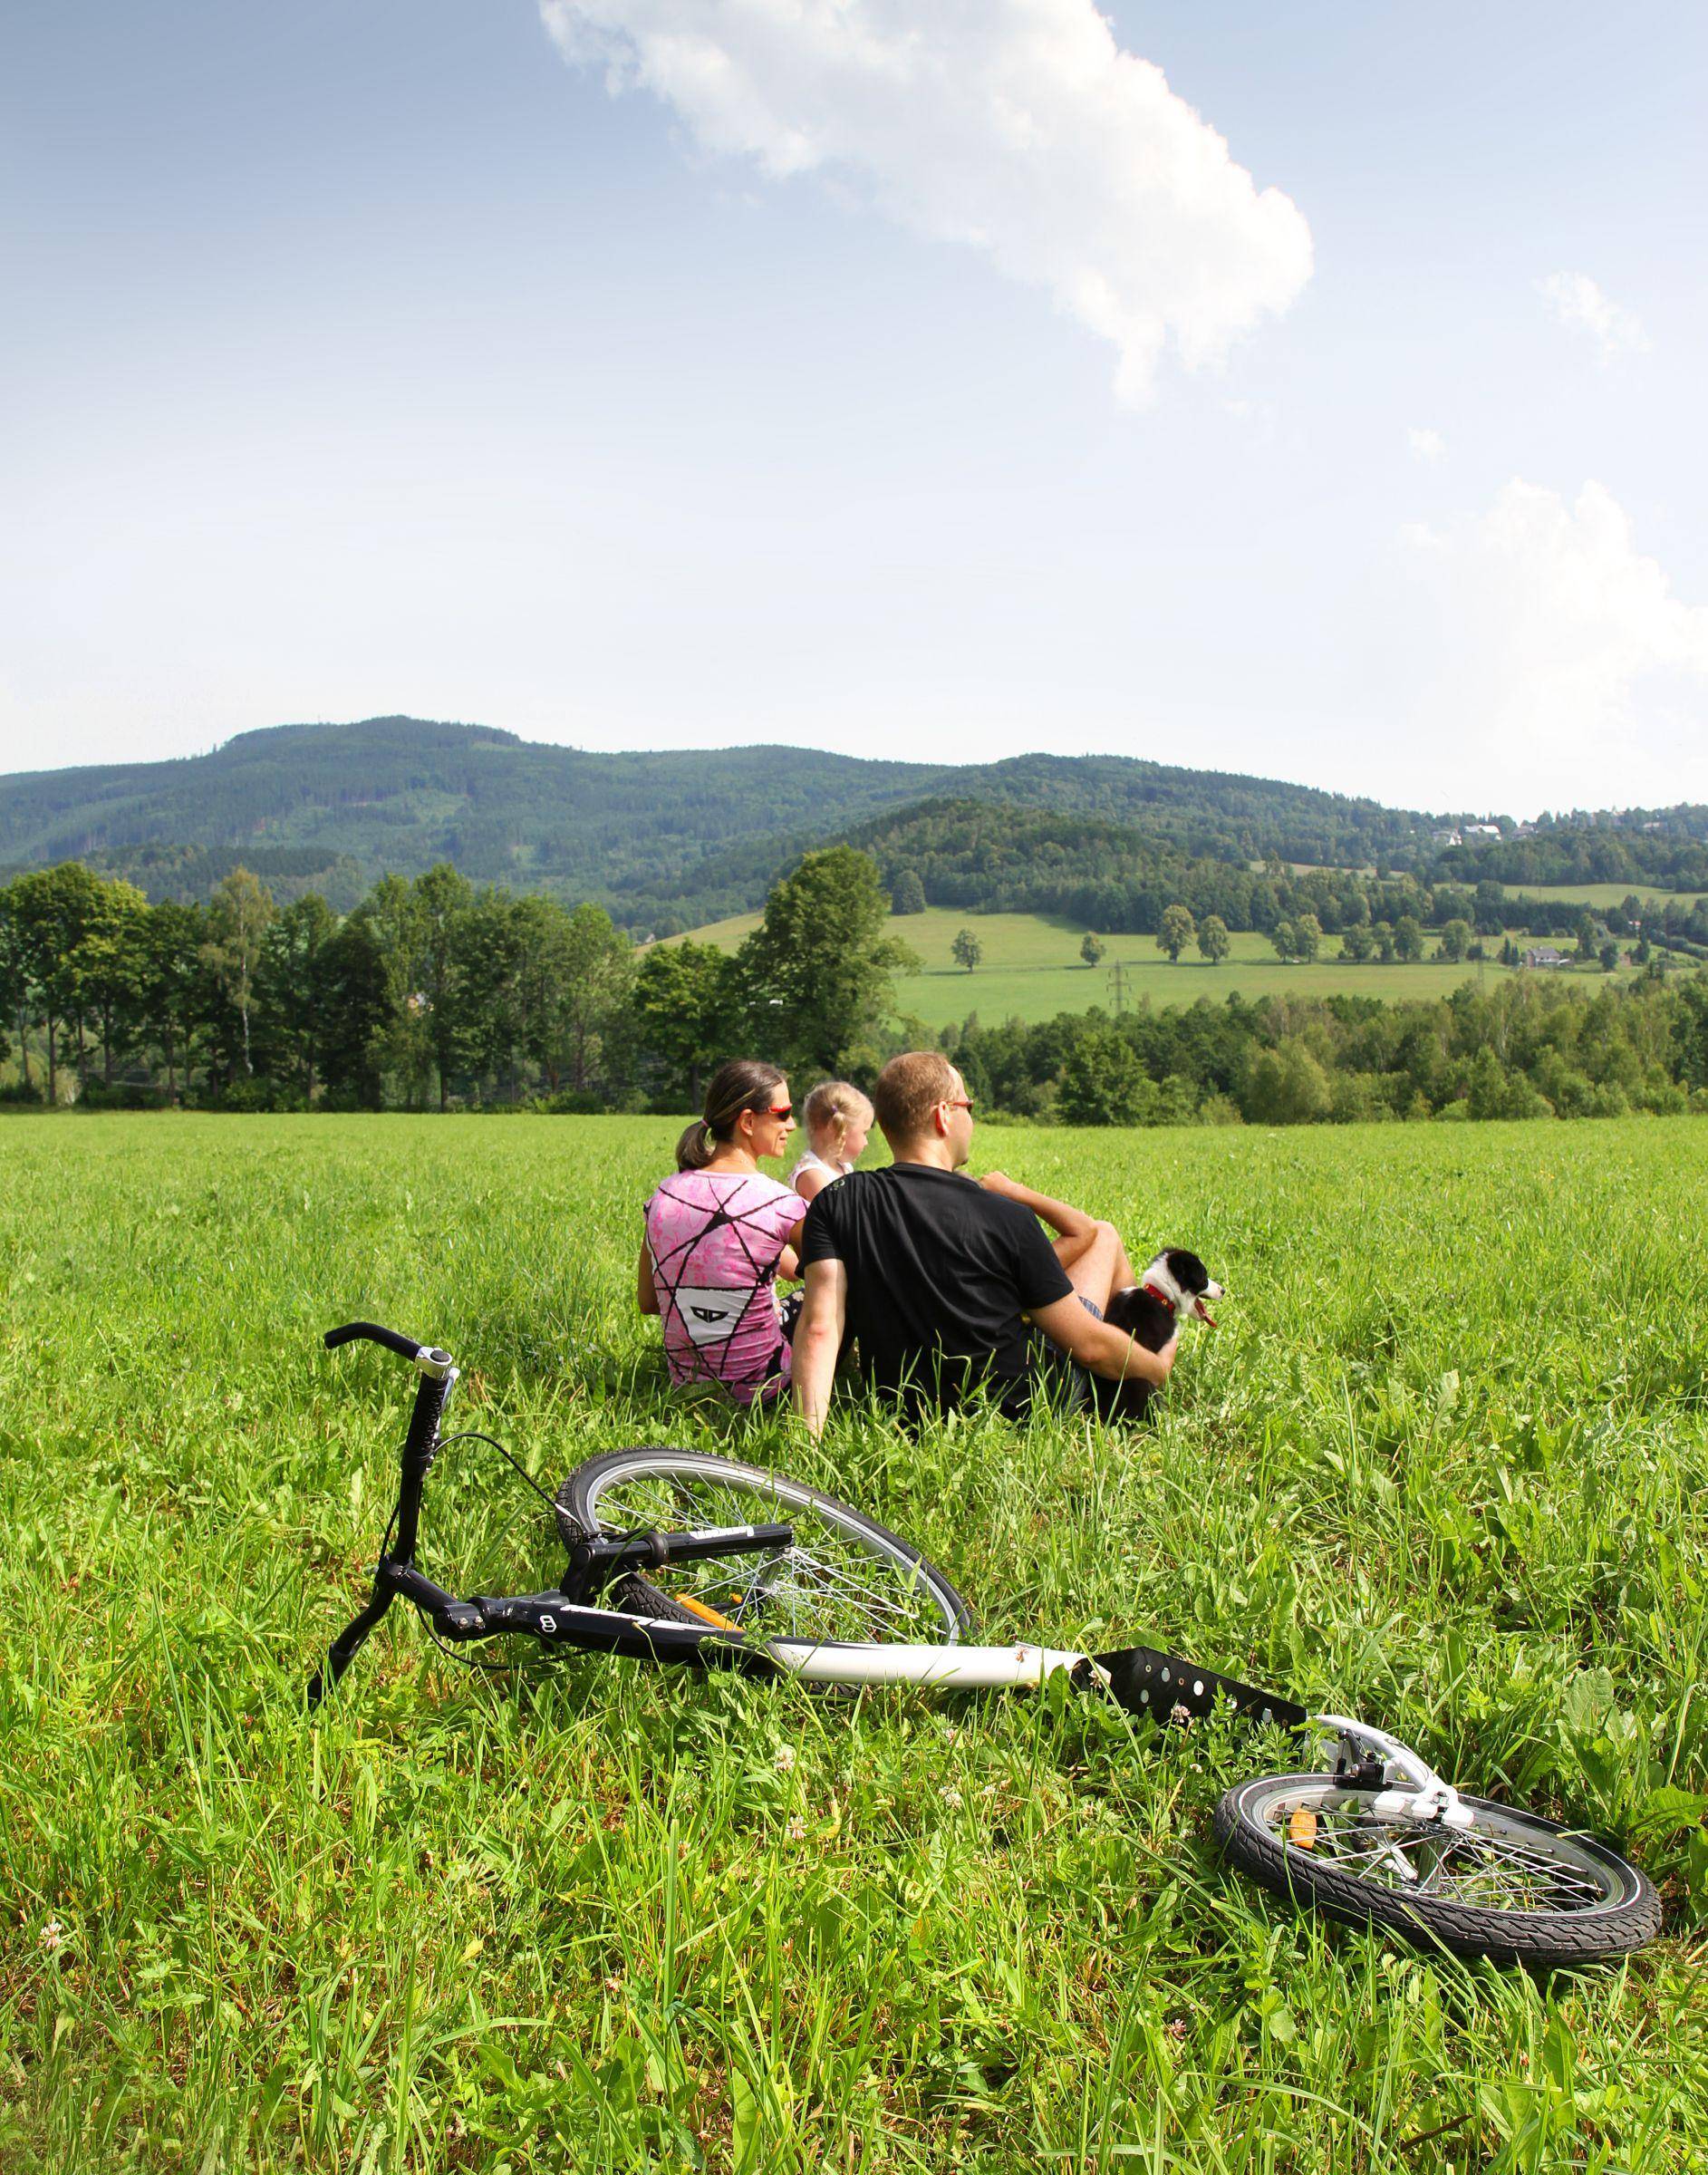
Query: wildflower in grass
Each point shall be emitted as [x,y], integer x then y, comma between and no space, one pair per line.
[52,1936]
[785,1759]
[797,1830]
[950,1797]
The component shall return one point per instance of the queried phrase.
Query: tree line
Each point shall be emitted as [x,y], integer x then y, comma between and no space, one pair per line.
[1529,1047]
[973,857]
[433,993]
[430,993]
[1667,850]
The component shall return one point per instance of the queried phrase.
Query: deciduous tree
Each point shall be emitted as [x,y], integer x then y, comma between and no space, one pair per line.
[687,1007]
[817,975]
[1177,931]
[1103,1082]
[967,949]
[239,915]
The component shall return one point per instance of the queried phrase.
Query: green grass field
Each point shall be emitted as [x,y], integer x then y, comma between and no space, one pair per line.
[1602,895]
[1032,970]
[1445,1463]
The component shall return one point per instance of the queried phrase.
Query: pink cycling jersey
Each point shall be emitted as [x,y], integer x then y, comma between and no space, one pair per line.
[715,1238]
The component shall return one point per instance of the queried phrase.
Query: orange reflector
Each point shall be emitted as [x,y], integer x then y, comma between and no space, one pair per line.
[1301,1828]
[710,1615]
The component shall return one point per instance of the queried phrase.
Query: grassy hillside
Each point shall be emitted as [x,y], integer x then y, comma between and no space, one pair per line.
[1032,968]
[594,1917]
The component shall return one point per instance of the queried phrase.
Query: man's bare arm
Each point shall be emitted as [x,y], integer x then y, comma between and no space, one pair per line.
[1068,1221]
[1098,1348]
[818,1340]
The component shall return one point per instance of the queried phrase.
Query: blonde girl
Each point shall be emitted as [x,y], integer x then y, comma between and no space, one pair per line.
[837,1118]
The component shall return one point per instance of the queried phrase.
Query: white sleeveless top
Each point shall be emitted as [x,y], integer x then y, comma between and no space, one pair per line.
[813,1161]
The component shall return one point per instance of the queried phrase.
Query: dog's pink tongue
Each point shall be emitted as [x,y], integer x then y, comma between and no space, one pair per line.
[1205,1314]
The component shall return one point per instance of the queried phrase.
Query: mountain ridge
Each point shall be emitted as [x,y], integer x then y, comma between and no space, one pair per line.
[657,836]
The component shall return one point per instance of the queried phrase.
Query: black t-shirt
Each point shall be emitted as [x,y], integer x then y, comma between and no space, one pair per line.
[940,1276]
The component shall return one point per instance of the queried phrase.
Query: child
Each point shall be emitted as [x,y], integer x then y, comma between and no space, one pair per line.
[837,1118]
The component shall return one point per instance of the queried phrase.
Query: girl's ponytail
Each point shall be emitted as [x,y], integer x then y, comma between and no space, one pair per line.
[827,1111]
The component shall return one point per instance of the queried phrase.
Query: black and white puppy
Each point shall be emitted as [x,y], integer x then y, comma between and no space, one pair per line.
[1174,1288]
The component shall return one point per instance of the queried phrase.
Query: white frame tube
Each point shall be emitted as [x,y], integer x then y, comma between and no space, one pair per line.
[956,1668]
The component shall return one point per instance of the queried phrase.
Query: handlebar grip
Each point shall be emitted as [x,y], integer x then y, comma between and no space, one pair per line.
[405,1348]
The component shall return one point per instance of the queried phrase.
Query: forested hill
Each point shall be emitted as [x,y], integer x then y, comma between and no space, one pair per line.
[665,840]
[334,807]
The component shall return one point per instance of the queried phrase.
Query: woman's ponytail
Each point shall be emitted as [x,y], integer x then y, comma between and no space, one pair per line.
[743,1084]
[696,1148]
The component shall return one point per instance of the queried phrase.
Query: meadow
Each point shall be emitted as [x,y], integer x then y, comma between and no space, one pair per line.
[1600,897]
[1443,1463]
[1031,970]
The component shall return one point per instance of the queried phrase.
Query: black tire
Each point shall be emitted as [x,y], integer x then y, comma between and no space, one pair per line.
[1584,1903]
[910,1598]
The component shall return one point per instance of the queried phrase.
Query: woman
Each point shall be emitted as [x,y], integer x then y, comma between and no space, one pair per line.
[719,1234]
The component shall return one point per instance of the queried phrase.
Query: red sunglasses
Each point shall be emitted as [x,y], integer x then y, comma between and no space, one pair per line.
[781,1111]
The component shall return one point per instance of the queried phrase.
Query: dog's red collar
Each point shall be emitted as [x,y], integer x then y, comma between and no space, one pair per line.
[1162,1298]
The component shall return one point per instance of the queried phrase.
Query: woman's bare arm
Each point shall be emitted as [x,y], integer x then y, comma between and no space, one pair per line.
[645,1294]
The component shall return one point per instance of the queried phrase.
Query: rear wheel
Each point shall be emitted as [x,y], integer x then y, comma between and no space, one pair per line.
[1513,1886]
[845,1577]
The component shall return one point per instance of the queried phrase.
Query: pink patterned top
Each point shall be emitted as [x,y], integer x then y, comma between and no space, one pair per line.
[715,1238]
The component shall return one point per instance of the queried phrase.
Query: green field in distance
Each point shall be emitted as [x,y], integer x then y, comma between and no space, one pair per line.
[1032,968]
[1602,895]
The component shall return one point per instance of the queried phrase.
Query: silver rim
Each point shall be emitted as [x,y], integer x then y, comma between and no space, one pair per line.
[1502,1863]
[841,1579]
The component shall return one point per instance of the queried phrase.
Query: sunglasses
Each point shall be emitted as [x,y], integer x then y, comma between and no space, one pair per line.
[959,1102]
[780,1110]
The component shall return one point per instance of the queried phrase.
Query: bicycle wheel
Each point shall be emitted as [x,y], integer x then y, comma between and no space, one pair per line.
[1512,1887]
[844,1578]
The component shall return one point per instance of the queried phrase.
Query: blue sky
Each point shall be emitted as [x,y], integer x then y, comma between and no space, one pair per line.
[376,357]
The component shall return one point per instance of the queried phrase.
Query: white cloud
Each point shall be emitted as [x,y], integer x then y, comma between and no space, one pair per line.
[1015,126]
[1427,444]
[1564,670]
[1575,300]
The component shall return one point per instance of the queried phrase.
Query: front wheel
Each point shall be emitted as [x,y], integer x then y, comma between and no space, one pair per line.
[1512,1887]
[845,1577]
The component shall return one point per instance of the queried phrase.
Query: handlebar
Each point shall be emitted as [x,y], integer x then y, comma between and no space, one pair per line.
[426,1357]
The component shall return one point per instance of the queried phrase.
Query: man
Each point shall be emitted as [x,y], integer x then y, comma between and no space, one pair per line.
[940,1278]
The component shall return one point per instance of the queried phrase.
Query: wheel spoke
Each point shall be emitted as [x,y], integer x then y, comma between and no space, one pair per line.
[826,1586]
[1483,1867]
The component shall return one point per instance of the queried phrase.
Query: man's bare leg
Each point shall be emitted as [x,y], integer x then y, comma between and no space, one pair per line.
[1097,1264]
